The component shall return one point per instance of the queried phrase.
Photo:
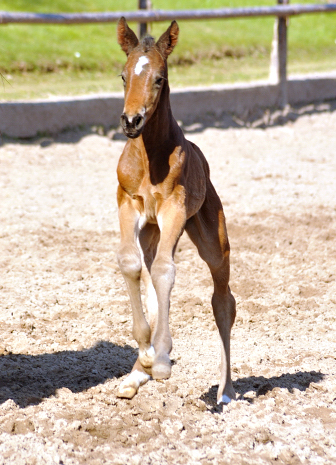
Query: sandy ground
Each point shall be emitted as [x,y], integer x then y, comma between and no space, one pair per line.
[66,340]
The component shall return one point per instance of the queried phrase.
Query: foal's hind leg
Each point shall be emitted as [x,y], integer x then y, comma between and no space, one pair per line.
[207,230]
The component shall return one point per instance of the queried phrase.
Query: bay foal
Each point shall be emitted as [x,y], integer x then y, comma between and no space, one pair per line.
[164,189]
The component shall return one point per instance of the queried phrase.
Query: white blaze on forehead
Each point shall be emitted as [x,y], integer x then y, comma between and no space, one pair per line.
[141,63]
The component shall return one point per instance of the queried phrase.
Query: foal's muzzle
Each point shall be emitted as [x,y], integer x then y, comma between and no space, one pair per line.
[132,126]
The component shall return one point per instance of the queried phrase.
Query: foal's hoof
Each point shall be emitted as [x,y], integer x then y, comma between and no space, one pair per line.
[129,387]
[227,396]
[161,368]
[127,392]
[224,399]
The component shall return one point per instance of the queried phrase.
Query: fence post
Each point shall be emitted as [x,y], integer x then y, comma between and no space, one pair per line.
[144,28]
[278,68]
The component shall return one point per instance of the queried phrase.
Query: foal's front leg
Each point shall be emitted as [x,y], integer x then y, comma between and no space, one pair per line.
[129,259]
[171,221]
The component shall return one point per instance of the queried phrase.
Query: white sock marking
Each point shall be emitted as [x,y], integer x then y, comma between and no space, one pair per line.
[141,63]
[135,379]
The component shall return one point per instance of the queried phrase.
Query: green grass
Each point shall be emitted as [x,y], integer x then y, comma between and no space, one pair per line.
[42,61]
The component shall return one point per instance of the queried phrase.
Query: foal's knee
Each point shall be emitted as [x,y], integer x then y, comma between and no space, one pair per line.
[130,263]
[163,272]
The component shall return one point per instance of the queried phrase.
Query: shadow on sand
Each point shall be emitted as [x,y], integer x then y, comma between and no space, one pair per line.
[261,385]
[27,379]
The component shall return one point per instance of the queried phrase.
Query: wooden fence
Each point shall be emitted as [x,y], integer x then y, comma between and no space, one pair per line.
[146,15]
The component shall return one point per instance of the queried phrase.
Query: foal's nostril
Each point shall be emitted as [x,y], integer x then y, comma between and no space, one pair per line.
[123,120]
[138,121]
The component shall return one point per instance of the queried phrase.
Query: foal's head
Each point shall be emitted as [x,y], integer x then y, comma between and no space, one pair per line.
[144,75]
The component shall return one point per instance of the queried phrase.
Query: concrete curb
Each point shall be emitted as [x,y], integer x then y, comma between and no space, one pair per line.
[27,119]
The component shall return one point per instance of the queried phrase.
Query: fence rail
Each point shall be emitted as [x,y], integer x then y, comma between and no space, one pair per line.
[144,16]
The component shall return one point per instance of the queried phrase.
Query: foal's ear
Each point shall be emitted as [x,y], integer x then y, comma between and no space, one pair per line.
[126,37]
[168,40]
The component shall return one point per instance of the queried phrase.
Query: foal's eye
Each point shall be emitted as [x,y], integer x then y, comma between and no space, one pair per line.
[124,81]
[159,81]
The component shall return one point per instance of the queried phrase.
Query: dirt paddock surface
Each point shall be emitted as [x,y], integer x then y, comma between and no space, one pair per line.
[66,340]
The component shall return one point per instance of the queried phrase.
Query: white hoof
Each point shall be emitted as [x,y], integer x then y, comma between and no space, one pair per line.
[224,399]
[129,387]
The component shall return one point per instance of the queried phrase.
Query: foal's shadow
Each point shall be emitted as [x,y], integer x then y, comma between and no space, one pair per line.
[261,385]
[27,379]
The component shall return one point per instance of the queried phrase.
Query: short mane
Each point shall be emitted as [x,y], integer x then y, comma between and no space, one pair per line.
[147,43]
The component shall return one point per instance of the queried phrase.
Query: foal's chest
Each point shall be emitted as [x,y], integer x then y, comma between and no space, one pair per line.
[145,197]
[148,200]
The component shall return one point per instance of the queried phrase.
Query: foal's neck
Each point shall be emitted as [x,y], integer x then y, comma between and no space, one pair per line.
[162,126]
